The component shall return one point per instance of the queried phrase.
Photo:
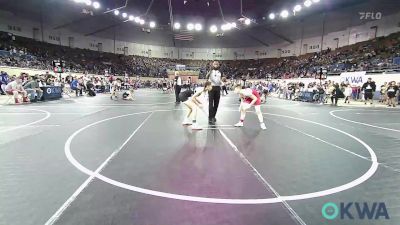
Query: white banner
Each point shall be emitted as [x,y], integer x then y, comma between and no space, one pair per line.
[354,78]
[180,67]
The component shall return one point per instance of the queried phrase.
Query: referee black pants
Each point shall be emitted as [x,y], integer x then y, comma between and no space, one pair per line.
[177,92]
[213,101]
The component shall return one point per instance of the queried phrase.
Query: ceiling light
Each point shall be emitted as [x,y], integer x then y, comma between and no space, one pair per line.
[78,1]
[271,16]
[96,5]
[116,12]
[124,15]
[190,26]
[137,19]
[141,22]
[307,3]
[88,2]
[315,1]
[198,27]
[233,25]
[131,17]
[297,8]
[152,24]
[223,27]
[247,21]
[213,29]
[177,26]
[284,14]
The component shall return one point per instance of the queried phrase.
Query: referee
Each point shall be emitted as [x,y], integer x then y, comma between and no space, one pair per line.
[178,87]
[215,77]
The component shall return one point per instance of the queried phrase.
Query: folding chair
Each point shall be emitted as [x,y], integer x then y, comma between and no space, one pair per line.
[9,97]
[67,91]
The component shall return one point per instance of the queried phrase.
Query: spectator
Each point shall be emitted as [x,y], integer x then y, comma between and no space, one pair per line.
[369,89]
[75,86]
[3,82]
[383,97]
[33,89]
[15,88]
[391,93]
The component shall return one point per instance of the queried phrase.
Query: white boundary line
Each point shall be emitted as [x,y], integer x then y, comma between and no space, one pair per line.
[67,203]
[48,114]
[371,171]
[341,148]
[261,178]
[221,125]
[51,113]
[218,128]
[352,121]
[35,126]
[127,104]
[262,105]
[323,141]
[139,95]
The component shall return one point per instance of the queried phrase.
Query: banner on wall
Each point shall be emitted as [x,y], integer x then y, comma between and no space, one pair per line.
[354,78]
[180,67]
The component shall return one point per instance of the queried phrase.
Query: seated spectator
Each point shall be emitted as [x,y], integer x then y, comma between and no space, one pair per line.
[15,88]
[33,89]
[3,82]
[75,86]
[90,89]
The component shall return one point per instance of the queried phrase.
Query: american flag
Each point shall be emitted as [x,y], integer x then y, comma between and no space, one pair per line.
[184,35]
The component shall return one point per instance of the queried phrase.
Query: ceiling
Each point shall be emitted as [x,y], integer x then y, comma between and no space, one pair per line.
[338,14]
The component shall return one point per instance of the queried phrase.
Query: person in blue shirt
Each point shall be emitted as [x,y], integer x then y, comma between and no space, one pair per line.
[3,82]
[76,87]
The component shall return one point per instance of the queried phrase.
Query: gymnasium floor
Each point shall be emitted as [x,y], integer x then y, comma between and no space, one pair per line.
[87,161]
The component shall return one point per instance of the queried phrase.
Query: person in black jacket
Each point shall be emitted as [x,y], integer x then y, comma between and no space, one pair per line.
[392,89]
[336,94]
[369,89]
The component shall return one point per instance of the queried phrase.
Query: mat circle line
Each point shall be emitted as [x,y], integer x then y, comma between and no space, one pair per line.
[356,122]
[371,171]
[48,114]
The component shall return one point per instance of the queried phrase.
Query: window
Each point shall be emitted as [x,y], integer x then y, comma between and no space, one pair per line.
[54,38]
[14,28]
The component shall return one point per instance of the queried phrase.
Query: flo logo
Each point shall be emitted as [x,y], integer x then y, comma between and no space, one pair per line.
[355,210]
[370,15]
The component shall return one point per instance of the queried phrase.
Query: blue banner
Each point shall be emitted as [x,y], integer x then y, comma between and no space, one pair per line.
[396,60]
[51,92]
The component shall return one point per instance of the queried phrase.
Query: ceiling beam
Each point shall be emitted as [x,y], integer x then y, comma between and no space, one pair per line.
[220,11]
[171,21]
[256,39]
[149,8]
[121,7]
[278,35]
[72,22]
[106,28]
